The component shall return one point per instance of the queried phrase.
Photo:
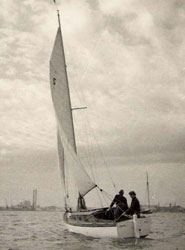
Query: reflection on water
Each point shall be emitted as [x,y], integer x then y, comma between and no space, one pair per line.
[45,230]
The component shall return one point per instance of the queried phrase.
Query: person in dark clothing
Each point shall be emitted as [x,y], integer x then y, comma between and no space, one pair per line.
[121,204]
[134,206]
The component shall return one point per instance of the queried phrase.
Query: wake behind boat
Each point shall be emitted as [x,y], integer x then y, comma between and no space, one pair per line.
[97,222]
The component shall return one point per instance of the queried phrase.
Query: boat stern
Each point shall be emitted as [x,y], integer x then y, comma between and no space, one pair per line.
[138,228]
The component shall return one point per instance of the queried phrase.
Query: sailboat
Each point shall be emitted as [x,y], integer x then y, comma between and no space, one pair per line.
[91,222]
[147,211]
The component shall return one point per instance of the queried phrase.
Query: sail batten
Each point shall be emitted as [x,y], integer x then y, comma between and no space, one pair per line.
[62,106]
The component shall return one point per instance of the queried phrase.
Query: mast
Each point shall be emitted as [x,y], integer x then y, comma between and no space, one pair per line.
[148,190]
[63,51]
[67,153]
[59,23]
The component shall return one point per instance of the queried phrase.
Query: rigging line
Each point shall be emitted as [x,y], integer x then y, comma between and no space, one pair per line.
[97,179]
[68,145]
[78,161]
[86,153]
[74,158]
[105,201]
[100,151]
[99,196]
[108,195]
[93,164]
[89,151]
[89,141]
[94,137]
[96,44]
[92,132]
[59,74]
[94,170]
[104,196]
[83,78]
[95,48]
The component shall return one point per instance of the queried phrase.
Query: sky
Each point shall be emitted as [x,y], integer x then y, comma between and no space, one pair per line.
[125,62]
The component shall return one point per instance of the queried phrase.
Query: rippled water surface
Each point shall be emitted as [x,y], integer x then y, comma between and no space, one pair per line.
[46,230]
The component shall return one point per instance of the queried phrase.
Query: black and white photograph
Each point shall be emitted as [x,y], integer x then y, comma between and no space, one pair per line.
[92,124]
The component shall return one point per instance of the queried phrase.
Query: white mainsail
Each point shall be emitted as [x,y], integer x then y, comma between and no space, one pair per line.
[62,105]
[60,89]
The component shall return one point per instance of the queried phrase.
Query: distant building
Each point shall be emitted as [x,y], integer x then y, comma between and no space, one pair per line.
[24,204]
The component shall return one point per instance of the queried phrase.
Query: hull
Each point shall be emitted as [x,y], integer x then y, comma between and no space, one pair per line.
[96,232]
[132,228]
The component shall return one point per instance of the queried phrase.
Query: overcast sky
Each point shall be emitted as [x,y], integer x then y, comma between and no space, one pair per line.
[125,60]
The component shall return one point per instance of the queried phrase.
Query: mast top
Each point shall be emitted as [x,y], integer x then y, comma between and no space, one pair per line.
[58,14]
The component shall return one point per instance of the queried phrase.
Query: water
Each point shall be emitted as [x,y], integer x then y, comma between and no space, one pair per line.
[45,230]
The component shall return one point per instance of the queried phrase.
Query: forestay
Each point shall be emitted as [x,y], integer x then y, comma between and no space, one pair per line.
[62,105]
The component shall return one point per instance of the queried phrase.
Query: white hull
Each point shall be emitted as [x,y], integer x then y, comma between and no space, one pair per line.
[96,232]
[124,229]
